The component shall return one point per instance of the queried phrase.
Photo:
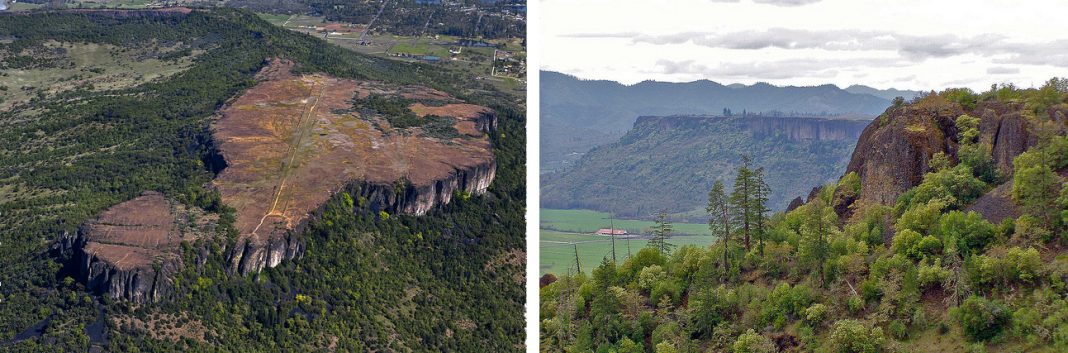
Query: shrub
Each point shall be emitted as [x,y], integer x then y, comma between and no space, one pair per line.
[933,274]
[626,345]
[1014,266]
[982,319]
[854,304]
[898,330]
[815,314]
[786,302]
[852,336]
[751,342]
[904,240]
[649,276]
[970,231]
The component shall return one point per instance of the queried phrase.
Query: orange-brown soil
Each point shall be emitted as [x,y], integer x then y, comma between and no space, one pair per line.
[291,141]
[140,232]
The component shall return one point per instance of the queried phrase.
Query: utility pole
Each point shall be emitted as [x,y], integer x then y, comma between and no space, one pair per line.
[612,230]
[577,265]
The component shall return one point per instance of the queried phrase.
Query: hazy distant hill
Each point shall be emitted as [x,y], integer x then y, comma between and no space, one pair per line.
[670,162]
[577,115]
[883,93]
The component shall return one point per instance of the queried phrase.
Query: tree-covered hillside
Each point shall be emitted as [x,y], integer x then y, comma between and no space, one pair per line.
[665,163]
[577,115]
[922,274]
[446,281]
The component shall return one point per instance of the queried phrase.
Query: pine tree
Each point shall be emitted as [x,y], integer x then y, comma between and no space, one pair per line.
[741,201]
[719,220]
[759,202]
[813,248]
[661,232]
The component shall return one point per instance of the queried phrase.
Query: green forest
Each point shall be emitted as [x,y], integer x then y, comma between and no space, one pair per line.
[922,274]
[365,283]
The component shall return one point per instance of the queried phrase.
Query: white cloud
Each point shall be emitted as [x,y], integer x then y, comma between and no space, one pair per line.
[911,44]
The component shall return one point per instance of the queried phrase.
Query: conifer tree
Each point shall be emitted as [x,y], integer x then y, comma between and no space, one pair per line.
[741,201]
[759,206]
[661,232]
[719,221]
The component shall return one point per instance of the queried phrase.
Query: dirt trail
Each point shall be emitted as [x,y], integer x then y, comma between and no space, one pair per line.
[306,118]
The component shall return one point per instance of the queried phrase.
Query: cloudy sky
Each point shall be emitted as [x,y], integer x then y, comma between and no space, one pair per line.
[902,44]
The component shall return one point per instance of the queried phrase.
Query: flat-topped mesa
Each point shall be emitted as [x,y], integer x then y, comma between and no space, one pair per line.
[790,128]
[132,250]
[291,142]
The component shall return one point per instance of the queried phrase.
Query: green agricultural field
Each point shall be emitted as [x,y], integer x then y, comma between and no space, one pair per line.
[562,228]
[274,19]
[22,6]
[115,4]
[588,221]
[558,253]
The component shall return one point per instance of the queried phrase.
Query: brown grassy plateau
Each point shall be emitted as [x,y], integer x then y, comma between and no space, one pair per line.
[136,233]
[291,141]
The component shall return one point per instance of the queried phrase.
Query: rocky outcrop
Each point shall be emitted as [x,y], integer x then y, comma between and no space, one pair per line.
[132,250]
[419,199]
[253,254]
[894,151]
[789,128]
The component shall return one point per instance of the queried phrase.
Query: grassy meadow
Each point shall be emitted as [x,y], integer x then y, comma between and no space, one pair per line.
[560,229]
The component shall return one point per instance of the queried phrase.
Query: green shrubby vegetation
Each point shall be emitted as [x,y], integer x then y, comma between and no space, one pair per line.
[365,282]
[926,274]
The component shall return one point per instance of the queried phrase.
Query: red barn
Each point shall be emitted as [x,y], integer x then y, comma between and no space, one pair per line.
[611,231]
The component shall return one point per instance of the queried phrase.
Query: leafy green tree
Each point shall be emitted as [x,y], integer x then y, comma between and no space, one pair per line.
[1036,186]
[982,319]
[852,336]
[752,342]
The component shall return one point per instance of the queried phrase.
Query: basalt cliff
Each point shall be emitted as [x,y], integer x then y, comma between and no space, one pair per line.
[292,142]
[132,250]
[895,150]
[669,162]
[283,148]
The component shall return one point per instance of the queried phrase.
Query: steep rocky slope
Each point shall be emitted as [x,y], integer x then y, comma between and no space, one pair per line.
[132,250]
[293,141]
[670,162]
[895,150]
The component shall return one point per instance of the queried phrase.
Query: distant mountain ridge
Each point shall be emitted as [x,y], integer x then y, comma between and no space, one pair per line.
[669,162]
[889,93]
[577,114]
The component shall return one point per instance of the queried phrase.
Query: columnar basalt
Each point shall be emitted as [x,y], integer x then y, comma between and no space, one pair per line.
[132,250]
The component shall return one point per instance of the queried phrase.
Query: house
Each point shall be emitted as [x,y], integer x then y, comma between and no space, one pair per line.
[611,231]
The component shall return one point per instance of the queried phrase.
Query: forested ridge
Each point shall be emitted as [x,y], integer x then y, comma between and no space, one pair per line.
[365,283]
[928,272]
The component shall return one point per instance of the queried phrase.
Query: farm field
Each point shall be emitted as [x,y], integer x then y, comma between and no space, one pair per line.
[558,255]
[562,228]
[588,221]
[472,61]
